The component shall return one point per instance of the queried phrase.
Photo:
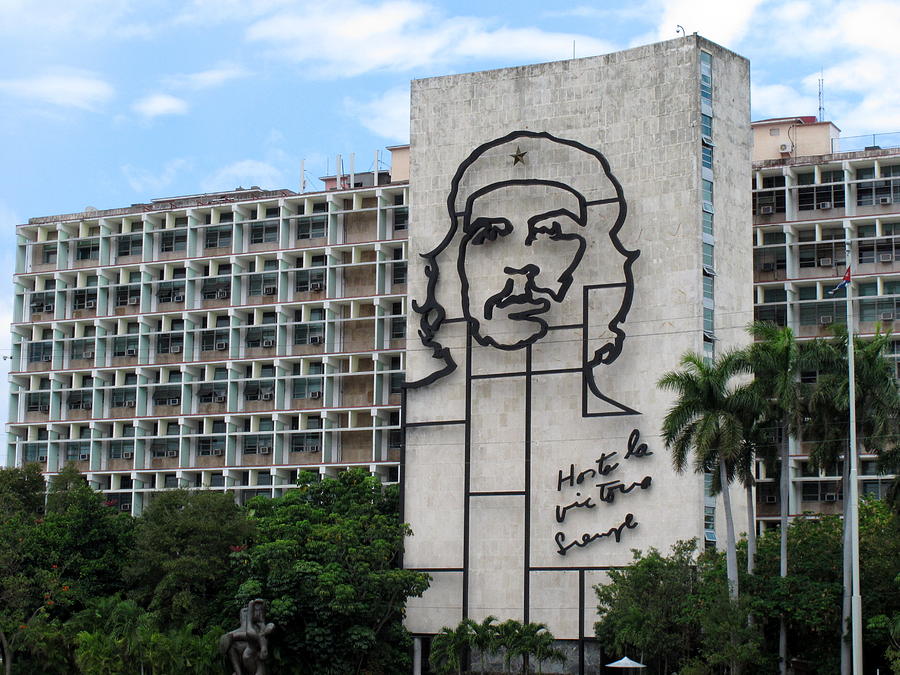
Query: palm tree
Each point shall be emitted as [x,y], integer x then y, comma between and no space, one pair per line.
[709,418]
[777,360]
[483,636]
[876,421]
[542,644]
[448,649]
[509,634]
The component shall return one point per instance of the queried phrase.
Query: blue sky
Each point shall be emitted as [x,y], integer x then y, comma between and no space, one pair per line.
[110,102]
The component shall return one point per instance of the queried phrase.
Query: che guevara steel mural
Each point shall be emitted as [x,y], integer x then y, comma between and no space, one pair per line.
[529,215]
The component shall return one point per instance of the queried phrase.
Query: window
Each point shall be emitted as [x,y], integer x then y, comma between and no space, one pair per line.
[49,254]
[310,333]
[709,320]
[87,250]
[264,232]
[40,351]
[309,280]
[707,156]
[130,245]
[127,295]
[170,343]
[211,446]
[125,346]
[398,272]
[708,287]
[312,227]
[708,255]
[173,241]
[706,77]
[123,397]
[706,129]
[257,336]
[214,340]
[263,284]
[397,376]
[707,192]
[398,328]
[307,387]
[306,442]
[170,291]
[38,402]
[218,237]
[82,348]
[401,216]
[118,448]
[84,299]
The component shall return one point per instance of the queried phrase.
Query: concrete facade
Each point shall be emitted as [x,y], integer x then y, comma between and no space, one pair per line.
[563,259]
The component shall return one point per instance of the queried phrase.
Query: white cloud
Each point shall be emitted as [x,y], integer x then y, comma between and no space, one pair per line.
[160,104]
[8,222]
[780,100]
[145,181]
[402,35]
[244,173]
[207,79]
[53,21]
[386,115]
[722,22]
[65,88]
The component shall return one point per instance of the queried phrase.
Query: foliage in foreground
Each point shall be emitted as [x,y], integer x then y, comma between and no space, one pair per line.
[324,558]
[674,608]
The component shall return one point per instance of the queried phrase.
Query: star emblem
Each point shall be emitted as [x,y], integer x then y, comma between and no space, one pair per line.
[519,156]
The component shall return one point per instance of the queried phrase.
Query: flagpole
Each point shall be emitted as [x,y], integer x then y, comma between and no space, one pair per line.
[853,510]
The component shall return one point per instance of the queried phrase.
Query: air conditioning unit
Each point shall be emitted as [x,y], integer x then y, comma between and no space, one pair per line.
[171,453]
[826,320]
[265,450]
[315,340]
[269,290]
[826,262]
[786,147]
[178,298]
[267,396]
[830,497]
[86,405]
[315,286]
[221,295]
[884,200]
[886,316]
[252,397]
[771,499]
[165,298]
[87,355]
[221,346]
[767,267]
[218,452]
[42,458]
[44,408]
[173,401]
[125,507]
[131,352]
[75,406]
[219,399]
[129,404]
[84,457]
[824,205]
[268,343]
[885,257]
[127,455]
[766,210]
[45,357]
[315,394]
[90,304]
[48,308]
[133,300]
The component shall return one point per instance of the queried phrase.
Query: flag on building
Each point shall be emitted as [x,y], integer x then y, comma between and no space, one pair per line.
[844,283]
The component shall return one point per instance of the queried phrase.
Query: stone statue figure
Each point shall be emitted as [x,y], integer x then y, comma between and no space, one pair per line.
[247,646]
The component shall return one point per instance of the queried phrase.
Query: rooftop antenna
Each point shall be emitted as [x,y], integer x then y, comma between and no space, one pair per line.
[821,95]
[302,176]
[680,29]
[573,49]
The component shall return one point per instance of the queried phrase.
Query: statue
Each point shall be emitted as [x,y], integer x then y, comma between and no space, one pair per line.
[247,646]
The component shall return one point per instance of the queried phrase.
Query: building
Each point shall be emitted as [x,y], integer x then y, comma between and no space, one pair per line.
[222,340]
[577,226]
[813,194]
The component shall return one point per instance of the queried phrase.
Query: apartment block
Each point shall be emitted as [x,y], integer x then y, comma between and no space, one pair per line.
[224,340]
[816,197]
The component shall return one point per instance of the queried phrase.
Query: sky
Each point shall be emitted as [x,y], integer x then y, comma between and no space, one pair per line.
[106,103]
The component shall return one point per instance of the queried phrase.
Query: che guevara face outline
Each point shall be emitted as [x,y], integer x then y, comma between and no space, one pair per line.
[522,264]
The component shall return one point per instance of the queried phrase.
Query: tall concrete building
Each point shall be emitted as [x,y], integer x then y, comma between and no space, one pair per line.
[577,226]
[221,340]
[814,193]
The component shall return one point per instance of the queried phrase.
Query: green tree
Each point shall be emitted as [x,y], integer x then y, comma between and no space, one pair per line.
[448,648]
[645,607]
[483,636]
[180,564]
[509,634]
[21,490]
[827,407]
[52,564]
[326,560]
[533,640]
[777,360]
[709,420]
